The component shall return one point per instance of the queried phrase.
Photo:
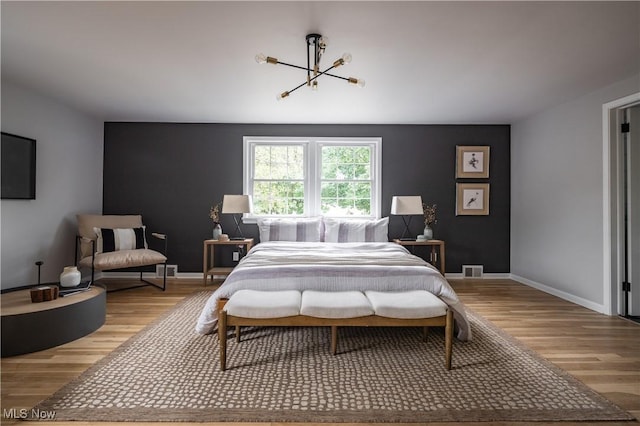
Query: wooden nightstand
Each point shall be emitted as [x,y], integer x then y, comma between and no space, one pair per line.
[208,265]
[436,255]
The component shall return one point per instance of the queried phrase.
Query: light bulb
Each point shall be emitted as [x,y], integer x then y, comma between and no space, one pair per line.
[323,42]
[261,58]
[346,58]
[314,86]
[357,81]
[282,95]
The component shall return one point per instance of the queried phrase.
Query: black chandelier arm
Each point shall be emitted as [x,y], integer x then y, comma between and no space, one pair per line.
[309,70]
[335,76]
[330,75]
[296,88]
[293,66]
[312,78]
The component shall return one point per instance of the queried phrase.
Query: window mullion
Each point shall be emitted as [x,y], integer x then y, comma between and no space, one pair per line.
[313,180]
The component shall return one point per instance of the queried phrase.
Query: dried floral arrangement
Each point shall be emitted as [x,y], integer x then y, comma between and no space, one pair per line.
[429,214]
[214,214]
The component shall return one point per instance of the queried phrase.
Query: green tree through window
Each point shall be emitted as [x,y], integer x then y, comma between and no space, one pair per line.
[278,182]
[346,181]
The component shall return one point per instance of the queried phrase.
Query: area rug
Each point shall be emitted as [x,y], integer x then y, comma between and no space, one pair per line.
[167,372]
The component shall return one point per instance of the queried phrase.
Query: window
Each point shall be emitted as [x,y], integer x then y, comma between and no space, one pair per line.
[313,176]
[278,179]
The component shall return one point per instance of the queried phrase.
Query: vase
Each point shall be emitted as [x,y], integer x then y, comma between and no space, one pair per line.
[70,276]
[428,232]
[217,231]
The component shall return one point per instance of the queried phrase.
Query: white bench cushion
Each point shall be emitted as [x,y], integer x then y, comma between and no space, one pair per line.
[339,304]
[406,304]
[264,304]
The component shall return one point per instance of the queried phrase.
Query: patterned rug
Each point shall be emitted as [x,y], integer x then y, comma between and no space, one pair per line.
[169,373]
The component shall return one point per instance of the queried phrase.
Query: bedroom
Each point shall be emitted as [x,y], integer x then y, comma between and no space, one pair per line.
[543,237]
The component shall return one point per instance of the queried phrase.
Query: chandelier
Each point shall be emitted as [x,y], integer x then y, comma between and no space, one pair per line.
[316,43]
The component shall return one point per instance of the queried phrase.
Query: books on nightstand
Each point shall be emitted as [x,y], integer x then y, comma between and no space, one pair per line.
[68,291]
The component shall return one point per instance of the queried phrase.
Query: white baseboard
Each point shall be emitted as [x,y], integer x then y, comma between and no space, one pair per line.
[485,276]
[135,275]
[561,294]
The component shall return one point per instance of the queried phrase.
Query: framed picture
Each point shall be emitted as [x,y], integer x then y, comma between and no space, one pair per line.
[472,199]
[472,161]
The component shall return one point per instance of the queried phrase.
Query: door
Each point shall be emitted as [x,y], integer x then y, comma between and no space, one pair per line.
[631,211]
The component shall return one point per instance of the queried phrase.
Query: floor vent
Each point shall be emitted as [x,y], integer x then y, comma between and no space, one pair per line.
[472,271]
[172,271]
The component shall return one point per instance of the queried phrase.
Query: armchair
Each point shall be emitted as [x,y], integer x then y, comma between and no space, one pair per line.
[107,242]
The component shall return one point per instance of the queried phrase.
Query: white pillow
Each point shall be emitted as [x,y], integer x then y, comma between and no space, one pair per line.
[356,231]
[302,229]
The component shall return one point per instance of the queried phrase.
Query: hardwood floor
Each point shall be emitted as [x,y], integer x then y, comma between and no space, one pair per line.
[603,352]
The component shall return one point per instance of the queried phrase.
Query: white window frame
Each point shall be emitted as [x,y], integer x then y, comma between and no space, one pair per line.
[312,154]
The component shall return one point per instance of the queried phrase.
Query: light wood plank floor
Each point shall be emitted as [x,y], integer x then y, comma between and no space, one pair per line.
[601,351]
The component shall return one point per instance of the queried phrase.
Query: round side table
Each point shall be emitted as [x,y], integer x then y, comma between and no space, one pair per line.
[30,327]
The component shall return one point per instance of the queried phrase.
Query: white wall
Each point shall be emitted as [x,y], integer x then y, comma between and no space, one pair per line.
[69,150]
[557,195]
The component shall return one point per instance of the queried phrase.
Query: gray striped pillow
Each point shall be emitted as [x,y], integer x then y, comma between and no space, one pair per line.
[356,231]
[307,229]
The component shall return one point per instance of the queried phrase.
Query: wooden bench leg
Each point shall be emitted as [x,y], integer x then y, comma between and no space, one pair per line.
[448,339]
[238,333]
[425,333]
[334,339]
[222,336]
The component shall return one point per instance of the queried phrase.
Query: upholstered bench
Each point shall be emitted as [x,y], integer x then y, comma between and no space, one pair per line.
[333,309]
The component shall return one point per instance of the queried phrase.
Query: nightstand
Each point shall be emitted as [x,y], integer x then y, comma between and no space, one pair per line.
[436,255]
[208,263]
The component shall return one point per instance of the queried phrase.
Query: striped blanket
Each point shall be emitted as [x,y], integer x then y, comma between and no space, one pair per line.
[280,265]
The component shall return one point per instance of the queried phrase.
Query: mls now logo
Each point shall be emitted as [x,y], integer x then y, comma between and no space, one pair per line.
[24,413]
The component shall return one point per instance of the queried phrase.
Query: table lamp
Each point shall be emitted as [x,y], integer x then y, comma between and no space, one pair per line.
[406,206]
[237,205]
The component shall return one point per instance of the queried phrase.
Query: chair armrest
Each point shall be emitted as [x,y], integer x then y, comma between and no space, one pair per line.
[161,237]
[81,239]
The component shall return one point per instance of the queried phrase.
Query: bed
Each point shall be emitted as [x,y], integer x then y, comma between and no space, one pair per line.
[335,264]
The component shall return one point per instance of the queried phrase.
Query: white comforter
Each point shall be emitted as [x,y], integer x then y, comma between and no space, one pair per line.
[334,267]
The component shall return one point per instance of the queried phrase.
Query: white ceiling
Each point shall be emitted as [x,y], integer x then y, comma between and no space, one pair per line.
[423,62]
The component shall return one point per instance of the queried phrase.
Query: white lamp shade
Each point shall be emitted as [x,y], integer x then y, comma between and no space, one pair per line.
[237,204]
[406,205]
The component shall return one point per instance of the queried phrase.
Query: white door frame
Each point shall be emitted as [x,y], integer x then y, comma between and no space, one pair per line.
[611,201]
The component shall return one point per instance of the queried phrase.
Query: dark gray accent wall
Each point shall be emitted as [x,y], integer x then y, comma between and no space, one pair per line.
[172,173]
